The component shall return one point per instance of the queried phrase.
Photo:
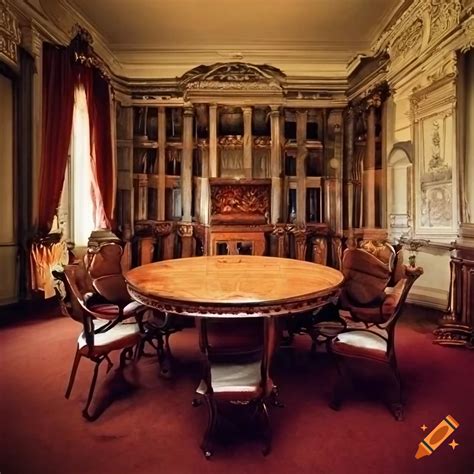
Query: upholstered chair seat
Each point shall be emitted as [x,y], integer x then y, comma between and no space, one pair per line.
[362,344]
[112,311]
[236,381]
[118,337]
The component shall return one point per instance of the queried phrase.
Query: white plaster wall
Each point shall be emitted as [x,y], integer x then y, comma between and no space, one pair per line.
[432,287]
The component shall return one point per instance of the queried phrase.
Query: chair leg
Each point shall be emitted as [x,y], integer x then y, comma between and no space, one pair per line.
[339,386]
[211,425]
[72,377]
[395,402]
[126,354]
[85,412]
[267,432]
[275,397]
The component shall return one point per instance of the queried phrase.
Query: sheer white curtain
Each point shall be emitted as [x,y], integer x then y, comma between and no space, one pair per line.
[83,208]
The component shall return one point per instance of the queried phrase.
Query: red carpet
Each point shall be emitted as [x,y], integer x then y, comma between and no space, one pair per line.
[153,428]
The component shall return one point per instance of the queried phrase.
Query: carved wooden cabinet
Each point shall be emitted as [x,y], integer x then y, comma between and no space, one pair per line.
[248,166]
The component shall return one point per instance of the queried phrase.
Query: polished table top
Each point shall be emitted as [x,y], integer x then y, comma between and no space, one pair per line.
[237,285]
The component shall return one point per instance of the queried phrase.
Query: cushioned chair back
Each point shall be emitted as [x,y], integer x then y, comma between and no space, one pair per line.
[105,270]
[234,339]
[366,277]
[106,260]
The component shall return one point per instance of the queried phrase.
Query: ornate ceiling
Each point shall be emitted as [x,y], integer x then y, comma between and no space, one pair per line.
[166,38]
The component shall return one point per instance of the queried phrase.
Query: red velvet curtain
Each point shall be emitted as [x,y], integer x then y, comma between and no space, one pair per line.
[102,159]
[58,103]
[60,77]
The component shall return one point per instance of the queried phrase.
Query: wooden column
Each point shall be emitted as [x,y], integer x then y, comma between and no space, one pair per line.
[301,120]
[275,167]
[213,165]
[187,164]
[348,191]
[369,171]
[247,112]
[205,192]
[333,181]
[161,163]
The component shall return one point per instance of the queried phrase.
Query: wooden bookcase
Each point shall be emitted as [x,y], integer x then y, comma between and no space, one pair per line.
[229,162]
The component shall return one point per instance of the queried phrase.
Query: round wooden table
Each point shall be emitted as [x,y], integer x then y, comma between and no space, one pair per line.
[233,286]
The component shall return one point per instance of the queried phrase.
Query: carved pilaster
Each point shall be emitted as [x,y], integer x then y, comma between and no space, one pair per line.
[320,250]
[185,232]
[146,249]
[300,235]
[279,234]
[336,252]
[165,230]
[10,35]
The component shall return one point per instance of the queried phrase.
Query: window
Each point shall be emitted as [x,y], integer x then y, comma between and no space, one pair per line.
[76,210]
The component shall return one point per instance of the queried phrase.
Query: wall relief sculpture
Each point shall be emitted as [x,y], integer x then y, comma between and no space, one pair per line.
[243,202]
[436,205]
[444,15]
[435,184]
[408,41]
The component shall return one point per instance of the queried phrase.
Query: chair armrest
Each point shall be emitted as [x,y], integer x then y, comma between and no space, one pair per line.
[392,299]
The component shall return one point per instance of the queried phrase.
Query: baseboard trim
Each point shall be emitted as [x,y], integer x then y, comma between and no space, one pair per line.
[434,298]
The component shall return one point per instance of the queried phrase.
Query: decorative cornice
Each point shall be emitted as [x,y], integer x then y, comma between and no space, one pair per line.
[10,35]
[31,39]
[468,33]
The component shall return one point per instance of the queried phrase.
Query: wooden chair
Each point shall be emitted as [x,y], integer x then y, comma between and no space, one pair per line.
[100,336]
[103,263]
[367,279]
[237,359]
[366,330]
